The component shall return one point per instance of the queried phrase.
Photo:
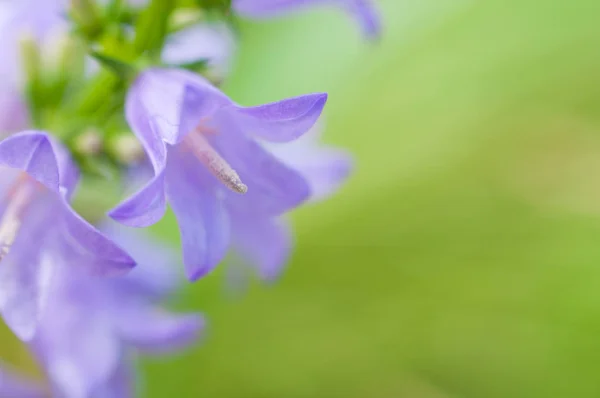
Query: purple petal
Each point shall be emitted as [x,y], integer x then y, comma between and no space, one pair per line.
[363,10]
[158,331]
[148,205]
[155,274]
[202,218]
[367,16]
[273,187]
[26,271]
[163,94]
[87,359]
[282,121]
[32,152]
[99,254]
[325,169]
[120,385]
[14,386]
[144,208]
[263,243]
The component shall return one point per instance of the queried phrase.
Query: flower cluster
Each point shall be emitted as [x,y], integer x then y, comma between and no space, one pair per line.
[126,92]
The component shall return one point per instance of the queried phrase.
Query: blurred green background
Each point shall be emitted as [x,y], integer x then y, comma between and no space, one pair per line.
[462,259]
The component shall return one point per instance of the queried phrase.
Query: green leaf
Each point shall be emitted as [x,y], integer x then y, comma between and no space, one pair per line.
[86,15]
[122,69]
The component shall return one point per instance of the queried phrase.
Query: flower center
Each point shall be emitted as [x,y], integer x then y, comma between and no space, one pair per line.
[218,167]
[18,198]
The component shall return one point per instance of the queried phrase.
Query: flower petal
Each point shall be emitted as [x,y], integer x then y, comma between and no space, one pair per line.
[148,205]
[78,365]
[273,187]
[264,243]
[12,385]
[25,274]
[162,95]
[325,169]
[363,10]
[366,14]
[158,331]
[121,384]
[202,218]
[282,121]
[97,253]
[155,274]
[32,152]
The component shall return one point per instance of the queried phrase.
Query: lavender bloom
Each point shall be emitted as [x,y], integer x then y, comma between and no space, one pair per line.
[37,179]
[362,10]
[196,138]
[92,328]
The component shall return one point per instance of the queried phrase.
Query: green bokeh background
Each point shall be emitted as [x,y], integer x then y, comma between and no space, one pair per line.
[462,259]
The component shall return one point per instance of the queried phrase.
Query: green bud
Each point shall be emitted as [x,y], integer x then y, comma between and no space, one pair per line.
[126,149]
[219,5]
[31,60]
[89,143]
[87,16]
[120,68]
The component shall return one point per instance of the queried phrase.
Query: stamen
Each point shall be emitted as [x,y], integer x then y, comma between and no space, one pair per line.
[18,198]
[217,166]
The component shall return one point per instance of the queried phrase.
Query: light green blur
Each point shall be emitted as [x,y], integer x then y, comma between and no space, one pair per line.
[463,257]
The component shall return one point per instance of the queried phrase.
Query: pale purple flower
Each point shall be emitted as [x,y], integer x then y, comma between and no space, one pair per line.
[214,42]
[92,329]
[37,224]
[204,151]
[38,20]
[364,11]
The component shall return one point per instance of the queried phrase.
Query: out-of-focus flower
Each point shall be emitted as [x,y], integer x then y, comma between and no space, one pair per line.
[212,42]
[92,328]
[363,11]
[37,225]
[37,20]
[209,137]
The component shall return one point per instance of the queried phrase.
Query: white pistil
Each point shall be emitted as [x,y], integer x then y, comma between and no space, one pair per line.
[217,166]
[10,223]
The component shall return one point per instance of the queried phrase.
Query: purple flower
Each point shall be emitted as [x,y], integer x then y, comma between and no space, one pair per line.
[92,328]
[37,179]
[362,10]
[196,139]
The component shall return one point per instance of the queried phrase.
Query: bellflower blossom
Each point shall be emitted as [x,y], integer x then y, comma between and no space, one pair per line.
[196,139]
[92,327]
[363,11]
[37,179]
